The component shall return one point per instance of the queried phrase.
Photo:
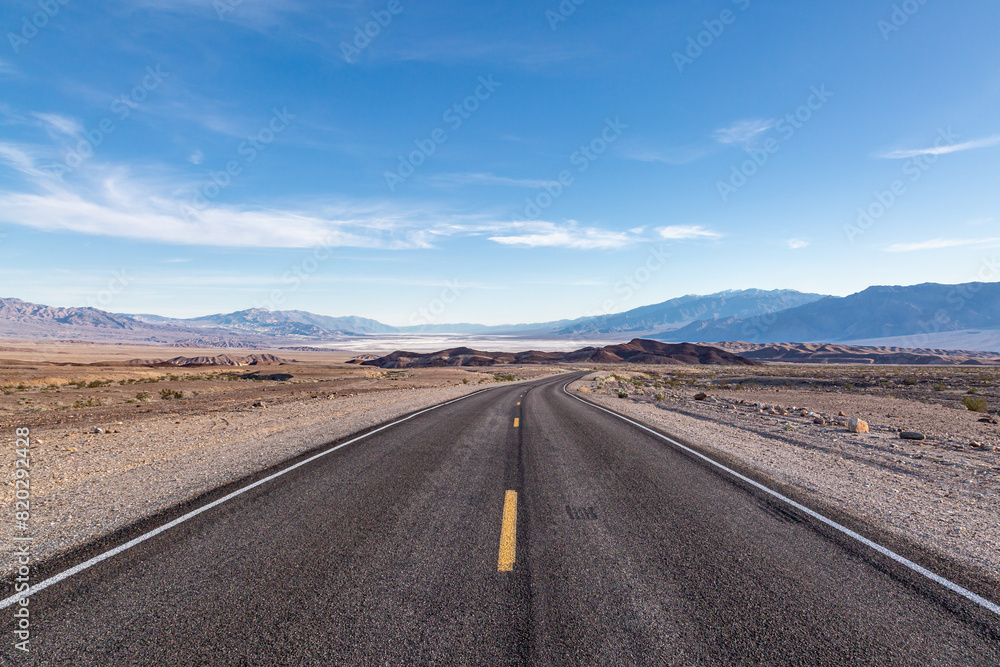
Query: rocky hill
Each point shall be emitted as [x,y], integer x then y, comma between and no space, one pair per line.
[637,351]
[218,360]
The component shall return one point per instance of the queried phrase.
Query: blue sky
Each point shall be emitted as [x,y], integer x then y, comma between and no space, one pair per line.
[184,157]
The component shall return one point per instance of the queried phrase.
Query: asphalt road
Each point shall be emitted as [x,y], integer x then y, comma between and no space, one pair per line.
[624,549]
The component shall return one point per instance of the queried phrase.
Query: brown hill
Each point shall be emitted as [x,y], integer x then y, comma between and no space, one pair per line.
[637,351]
[219,360]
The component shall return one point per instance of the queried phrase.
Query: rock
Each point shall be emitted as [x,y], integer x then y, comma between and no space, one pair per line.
[989,420]
[97,430]
[912,435]
[858,426]
[975,445]
[819,420]
[841,414]
[782,411]
[987,447]
[260,404]
[700,396]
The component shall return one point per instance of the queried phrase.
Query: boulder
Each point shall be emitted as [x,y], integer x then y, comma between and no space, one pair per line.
[912,435]
[858,426]
[700,396]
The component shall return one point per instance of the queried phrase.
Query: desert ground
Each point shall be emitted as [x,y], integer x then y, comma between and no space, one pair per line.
[115,443]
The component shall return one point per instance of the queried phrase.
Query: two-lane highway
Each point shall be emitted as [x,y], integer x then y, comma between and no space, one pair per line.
[516,526]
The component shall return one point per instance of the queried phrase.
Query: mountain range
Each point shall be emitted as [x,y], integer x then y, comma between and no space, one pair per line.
[914,316]
[930,315]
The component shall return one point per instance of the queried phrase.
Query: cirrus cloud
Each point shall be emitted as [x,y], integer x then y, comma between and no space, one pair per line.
[686,232]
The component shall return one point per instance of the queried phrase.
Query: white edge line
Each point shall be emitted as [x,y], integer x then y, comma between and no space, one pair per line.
[950,585]
[42,585]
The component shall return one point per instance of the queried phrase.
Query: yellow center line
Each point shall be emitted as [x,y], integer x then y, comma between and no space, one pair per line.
[508,533]
[519,402]
[516,421]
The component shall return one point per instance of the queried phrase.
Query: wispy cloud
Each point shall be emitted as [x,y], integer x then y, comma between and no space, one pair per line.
[683,232]
[8,69]
[487,179]
[22,158]
[938,244]
[571,235]
[58,124]
[743,133]
[460,48]
[985,142]
[672,156]
[797,244]
[260,15]
[111,201]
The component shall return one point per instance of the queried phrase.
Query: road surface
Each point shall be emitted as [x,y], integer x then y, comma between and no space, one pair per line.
[515,526]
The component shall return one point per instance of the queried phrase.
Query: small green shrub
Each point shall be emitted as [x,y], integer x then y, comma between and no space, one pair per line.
[939,387]
[975,403]
[660,397]
[909,382]
[89,403]
[622,393]
[170,394]
[972,391]
[142,396]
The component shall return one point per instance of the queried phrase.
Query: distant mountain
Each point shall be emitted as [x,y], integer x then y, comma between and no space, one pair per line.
[935,316]
[20,319]
[660,317]
[265,322]
[875,313]
[15,311]
[637,351]
[676,313]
